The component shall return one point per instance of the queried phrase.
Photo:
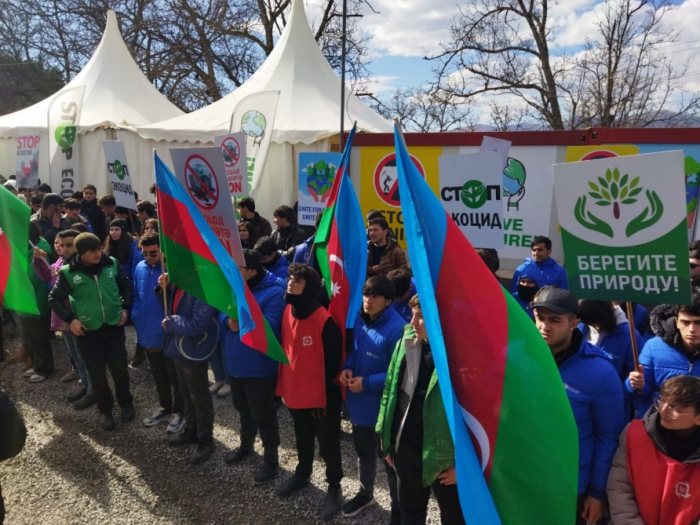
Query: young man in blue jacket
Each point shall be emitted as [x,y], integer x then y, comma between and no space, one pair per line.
[594,391]
[552,273]
[253,374]
[192,330]
[377,330]
[147,314]
[272,260]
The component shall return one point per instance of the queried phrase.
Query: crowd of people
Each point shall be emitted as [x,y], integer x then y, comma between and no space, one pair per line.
[96,267]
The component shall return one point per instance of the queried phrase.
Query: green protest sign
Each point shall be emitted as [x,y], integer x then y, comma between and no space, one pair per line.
[624,228]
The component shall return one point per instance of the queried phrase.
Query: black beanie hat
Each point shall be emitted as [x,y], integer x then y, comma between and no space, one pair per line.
[86,242]
[119,223]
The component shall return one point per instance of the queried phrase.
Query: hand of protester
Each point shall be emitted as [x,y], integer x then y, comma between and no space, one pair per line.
[389,461]
[345,377]
[162,323]
[56,219]
[449,477]
[39,253]
[77,328]
[593,509]
[233,325]
[163,280]
[125,316]
[355,385]
[637,378]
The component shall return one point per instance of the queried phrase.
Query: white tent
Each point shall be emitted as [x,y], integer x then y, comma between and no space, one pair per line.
[117,97]
[308,111]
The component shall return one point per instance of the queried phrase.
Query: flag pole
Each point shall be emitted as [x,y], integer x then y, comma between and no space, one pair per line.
[342,73]
[162,258]
[630,320]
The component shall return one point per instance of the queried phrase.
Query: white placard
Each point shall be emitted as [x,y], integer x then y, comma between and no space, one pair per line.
[64,118]
[118,170]
[27,164]
[499,145]
[233,152]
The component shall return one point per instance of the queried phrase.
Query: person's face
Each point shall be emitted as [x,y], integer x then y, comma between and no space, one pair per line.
[89,195]
[243,234]
[115,232]
[695,269]
[244,212]
[376,234]
[295,285]
[689,328]
[36,207]
[57,246]
[677,418]
[143,216]
[374,305]
[91,256]
[151,254]
[72,215]
[149,228]
[526,281]
[108,210]
[555,328]
[540,253]
[68,247]
[281,222]
[267,259]
[418,324]
[247,273]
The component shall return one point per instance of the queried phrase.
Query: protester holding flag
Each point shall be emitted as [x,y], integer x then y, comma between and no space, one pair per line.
[271,258]
[594,391]
[313,344]
[414,431]
[254,374]
[377,330]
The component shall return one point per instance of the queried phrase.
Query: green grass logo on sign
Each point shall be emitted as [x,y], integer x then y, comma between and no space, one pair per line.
[473,194]
[65,135]
[624,227]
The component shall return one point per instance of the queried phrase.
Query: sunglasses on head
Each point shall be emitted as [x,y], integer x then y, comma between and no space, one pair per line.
[150,254]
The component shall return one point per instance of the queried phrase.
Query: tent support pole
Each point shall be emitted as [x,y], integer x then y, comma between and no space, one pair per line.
[342,74]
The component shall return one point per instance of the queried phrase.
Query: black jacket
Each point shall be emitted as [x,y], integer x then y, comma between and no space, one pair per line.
[13,433]
[97,219]
[288,237]
[48,230]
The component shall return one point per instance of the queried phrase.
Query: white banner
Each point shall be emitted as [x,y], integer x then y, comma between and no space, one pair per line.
[27,164]
[499,145]
[64,118]
[470,191]
[255,116]
[233,151]
[201,172]
[119,178]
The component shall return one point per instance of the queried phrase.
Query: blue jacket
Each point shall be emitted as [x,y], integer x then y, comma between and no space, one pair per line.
[134,259]
[552,274]
[370,359]
[641,322]
[147,310]
[279,268]
[301,252]
[402,308]
[531,271]
[192,330]
[242,360]
[618,345]
[596,398]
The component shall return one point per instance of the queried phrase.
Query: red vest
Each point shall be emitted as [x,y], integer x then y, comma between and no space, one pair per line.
[302,383]
[667,491]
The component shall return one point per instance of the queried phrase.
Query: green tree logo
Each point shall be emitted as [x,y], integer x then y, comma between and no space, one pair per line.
[65,135]
[119,169]
[614,190]
[473,194]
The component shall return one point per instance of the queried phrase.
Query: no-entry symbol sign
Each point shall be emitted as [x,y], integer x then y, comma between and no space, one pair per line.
[201,182]
[231,151]
[386,182]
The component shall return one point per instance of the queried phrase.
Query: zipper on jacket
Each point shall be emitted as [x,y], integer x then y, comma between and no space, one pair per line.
[99,292]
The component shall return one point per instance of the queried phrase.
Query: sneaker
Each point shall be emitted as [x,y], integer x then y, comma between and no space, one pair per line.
[87,401]
[176,423]
[331,505]
[224,391]
[128,414]
[76,393]
[107,421]
[203,452]
[29,372]
[236,456]
[159,417]
[36,378]
[70,376]
[291,485]
[216,387]
[266,473]
[357,505]
[182,438]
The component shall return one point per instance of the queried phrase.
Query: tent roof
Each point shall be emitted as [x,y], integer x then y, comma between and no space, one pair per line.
[117,93]
[309,106]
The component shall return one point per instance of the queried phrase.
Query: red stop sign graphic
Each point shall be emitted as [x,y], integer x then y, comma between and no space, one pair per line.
[386,181]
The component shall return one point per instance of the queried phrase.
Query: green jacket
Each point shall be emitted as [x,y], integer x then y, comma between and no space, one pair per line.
[438,447]
[41,288]
[94,301]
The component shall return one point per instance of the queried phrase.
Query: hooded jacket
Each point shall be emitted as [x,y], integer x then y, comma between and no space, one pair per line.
[279,268]
[551,273]
[617,343]
[663,357]
[369,358]
[303,251]
[192,328]
[531,271]
[147,313]
[242,360]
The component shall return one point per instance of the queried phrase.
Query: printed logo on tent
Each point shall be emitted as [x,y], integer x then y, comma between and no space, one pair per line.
[386,182]
[514,176]
[201,182]
[231,151]
[610,193]
[65,135]
[253,124]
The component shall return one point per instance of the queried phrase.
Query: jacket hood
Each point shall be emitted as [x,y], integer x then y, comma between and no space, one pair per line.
[663,323]
[650,424]
[306,303]
[549,262]
[532,272]
[270,279]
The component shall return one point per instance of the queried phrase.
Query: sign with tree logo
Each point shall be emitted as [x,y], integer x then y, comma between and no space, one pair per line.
[118,170]
[470,191]
[624,228]
[316,174]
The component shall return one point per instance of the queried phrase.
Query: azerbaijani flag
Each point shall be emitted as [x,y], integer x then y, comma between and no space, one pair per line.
[497,377]
[200,265]
[16,290]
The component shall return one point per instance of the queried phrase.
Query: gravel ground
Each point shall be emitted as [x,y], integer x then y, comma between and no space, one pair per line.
[73,472]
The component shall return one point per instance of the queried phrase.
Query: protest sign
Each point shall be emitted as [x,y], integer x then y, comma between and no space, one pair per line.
[316,174]
[118,170]
[201,172]
[499,145]
[470,191]
[233,152]
[27,163]
[624,228]
[64,118]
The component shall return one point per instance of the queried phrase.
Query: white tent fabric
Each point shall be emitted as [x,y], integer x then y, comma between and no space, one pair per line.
[117,96]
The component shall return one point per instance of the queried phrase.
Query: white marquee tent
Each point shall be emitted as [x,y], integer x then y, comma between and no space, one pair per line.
[308,111]
[117,97]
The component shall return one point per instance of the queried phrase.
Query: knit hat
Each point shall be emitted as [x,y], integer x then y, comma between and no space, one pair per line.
[252,260]
[119,223]
[86,242]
